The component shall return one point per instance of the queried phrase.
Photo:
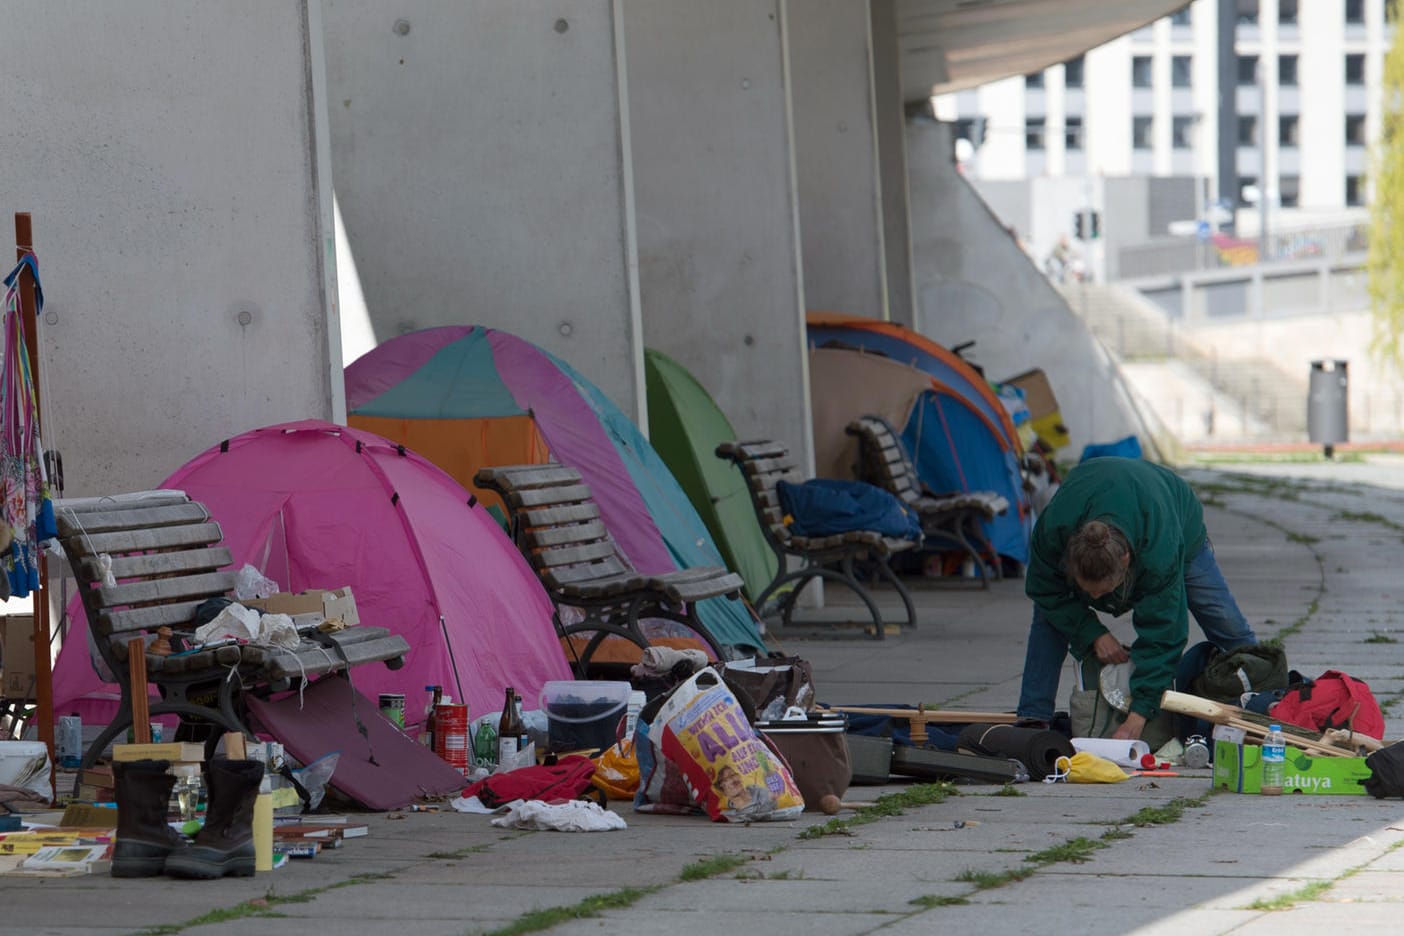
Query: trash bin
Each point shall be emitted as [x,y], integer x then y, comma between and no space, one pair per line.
[1328,420]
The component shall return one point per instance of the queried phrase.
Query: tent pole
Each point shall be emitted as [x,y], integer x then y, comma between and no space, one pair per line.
[43,675]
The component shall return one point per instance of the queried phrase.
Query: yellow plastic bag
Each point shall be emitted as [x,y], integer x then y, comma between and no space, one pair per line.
[1086,767]
[617,770]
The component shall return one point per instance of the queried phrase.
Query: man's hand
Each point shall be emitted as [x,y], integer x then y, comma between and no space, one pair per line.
[1110,650]
[1130,729]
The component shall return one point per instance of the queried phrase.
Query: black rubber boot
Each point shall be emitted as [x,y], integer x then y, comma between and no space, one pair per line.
[144,838]
[225,845]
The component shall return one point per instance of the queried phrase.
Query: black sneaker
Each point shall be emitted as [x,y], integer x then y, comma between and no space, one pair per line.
[1036,723]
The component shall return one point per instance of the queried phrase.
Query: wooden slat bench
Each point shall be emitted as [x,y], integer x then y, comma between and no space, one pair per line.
[557,525]
[165,558]
[950,521]
[764,464]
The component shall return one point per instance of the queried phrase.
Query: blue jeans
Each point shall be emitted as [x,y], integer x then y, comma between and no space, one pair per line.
[1210,601]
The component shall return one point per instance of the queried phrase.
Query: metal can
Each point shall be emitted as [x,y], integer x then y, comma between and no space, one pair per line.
[1196,752]
[158,732]
[392,706]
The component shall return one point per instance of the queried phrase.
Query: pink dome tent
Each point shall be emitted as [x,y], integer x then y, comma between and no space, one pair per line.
[316,505]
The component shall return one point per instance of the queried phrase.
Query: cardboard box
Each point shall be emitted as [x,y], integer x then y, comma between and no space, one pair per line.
[1238,768]
[334,605]
[17,656]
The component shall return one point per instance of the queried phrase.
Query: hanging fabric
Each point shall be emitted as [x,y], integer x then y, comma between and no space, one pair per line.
[26,509]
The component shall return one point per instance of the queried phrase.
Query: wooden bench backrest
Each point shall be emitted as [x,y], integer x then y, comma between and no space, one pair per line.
[166,560]
[885,460]
[764,464]
[556,523]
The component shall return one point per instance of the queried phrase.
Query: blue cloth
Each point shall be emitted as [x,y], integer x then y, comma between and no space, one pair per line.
[823,507]
[1209,599]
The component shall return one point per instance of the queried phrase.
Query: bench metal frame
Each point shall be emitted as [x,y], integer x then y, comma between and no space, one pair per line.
[764,464]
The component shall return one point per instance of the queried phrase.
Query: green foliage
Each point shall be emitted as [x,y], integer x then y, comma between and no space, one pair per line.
[1386,256]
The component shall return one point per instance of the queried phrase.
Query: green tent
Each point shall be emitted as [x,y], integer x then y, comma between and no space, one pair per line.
[685,427]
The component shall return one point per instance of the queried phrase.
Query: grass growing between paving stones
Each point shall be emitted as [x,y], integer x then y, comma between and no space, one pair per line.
[931,900]
[264,906]
[538,920]
[711,867]
[1377,638]
[889,804]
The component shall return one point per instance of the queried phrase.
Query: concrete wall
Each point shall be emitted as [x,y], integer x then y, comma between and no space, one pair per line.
[836,158]
[974,283]
[170,155]
[719,266]
[479,151]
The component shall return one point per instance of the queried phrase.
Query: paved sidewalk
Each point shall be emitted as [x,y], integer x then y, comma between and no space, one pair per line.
[1315,558]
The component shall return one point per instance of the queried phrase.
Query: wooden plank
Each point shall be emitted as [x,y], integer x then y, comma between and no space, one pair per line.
[195,534]
[553,516]
[549,496]
[162,590]
[599,554]
[560,577]
[177,615]
[566,533]
[75,523]
[162,563]
[512,477]
[136,670]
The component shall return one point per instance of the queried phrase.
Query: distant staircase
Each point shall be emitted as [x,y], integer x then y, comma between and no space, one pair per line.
[1267,400]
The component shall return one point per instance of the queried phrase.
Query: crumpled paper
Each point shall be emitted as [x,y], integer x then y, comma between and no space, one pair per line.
[572,816]
[235,620]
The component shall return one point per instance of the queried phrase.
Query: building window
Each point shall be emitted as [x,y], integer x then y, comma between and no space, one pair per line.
[1247,70]
[1072,133]
[1072,72]
[1289,190]
[1287,12]
[1181,71]
[1247,12]
[1182,132]
[1033,80]
[1180,17]
[1355,129]
[1247,130]
[1355,190]
[1034,133]
[1355,15]
[1141,132]
[1141,71]
[1355,68]
[1287,71]
[1287,130]
[1244,184]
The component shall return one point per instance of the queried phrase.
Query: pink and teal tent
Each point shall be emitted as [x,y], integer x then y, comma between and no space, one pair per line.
[316,505]
[467,397]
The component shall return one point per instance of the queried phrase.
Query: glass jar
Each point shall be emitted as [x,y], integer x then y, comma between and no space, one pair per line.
[185,795]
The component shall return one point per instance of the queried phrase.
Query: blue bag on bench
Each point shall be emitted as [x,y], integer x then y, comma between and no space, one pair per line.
[823,507]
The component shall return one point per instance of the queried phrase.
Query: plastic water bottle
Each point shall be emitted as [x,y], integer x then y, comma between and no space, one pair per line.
[1274,762]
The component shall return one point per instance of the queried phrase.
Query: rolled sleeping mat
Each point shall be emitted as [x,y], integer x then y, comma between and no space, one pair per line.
[1038,749]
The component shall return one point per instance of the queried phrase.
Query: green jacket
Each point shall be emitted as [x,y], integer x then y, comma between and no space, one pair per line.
[1164,523]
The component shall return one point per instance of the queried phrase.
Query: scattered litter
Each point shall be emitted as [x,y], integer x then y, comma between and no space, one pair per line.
[571,816]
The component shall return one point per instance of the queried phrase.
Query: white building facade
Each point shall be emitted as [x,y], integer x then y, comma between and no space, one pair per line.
[1306,82]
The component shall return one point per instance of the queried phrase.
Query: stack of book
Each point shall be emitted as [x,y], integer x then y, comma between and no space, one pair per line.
[306,836]
[95,784]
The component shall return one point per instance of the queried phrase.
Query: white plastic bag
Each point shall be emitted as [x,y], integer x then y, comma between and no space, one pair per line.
[251,583]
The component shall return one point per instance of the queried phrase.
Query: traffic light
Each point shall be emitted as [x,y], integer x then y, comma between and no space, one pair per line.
[1087,224]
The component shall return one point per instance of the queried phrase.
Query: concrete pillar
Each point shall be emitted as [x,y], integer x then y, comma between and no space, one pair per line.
[481,152]
[890,112]
[836,149]
[714,176]
[174,157]
[973,283]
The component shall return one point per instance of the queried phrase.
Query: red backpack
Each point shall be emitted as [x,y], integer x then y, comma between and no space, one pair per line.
[1333,700]
[564,780]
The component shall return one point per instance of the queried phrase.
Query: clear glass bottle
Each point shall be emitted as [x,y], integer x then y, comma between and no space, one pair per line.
[1274,762]
[185,795]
